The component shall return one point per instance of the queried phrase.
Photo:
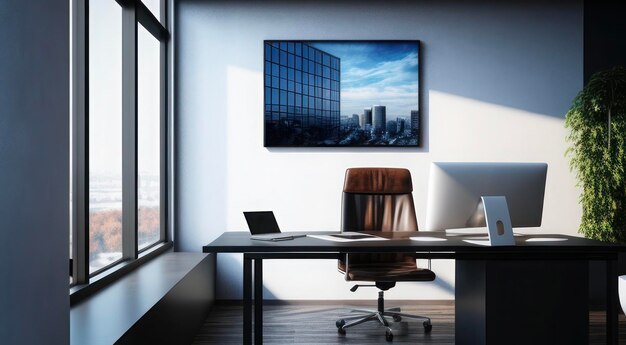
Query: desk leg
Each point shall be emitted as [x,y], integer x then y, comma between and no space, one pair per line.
[247,300]
[612,324]
[258,301]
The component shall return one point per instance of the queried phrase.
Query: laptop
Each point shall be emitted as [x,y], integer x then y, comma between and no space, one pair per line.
[263,227]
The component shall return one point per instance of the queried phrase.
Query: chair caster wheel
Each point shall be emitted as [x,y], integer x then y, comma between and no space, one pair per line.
[389,336]
[341,331]
[340,323]
[428,326]
[397,318]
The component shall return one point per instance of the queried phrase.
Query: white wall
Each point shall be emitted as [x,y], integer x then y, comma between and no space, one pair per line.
[497,80]
[34,172]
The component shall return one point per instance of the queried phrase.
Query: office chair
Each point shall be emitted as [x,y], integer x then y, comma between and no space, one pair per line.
[379,199]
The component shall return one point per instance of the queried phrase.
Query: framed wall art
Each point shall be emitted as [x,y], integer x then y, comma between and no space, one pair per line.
[341,93]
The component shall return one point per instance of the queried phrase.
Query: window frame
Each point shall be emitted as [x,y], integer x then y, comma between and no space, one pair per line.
[134,13]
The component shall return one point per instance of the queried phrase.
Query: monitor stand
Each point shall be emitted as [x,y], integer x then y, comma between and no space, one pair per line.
[498,221]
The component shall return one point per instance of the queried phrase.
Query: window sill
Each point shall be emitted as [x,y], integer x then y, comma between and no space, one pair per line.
[115,272]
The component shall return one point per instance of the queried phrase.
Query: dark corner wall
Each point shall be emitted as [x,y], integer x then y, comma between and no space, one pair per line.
[34,171]
[605,36]
[604,48]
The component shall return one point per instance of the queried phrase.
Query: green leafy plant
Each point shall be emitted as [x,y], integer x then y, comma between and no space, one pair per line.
[597,138]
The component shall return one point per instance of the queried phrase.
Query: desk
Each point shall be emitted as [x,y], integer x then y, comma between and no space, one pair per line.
[547,273]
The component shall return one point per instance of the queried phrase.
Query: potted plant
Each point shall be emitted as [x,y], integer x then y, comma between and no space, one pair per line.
[597,151]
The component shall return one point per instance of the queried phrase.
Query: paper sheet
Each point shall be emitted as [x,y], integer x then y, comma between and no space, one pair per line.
[479,242]
[546,239]
[467,231]
[428,239]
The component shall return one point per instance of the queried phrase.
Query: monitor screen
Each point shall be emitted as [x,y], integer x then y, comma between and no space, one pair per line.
[455,190]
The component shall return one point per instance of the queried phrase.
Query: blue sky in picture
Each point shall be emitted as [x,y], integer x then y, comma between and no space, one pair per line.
[383,73]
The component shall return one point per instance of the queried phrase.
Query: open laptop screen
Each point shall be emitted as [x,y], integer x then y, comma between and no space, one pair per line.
[262,222]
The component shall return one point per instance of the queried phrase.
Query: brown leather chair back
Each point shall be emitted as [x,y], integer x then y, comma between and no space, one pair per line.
[378,199]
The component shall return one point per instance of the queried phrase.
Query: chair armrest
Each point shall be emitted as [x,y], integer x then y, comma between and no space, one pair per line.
[429,261]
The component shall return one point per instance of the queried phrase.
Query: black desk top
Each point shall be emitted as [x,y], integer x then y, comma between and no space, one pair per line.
[240,242]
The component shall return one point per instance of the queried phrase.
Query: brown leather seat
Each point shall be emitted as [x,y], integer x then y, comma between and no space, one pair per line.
[380,199]
[389,272]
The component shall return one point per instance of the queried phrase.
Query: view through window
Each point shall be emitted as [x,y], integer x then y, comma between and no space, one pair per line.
[148,135]
[105,133]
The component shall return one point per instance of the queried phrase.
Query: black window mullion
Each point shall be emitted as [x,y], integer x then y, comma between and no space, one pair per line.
[80,142]
[129,131]
[163,176]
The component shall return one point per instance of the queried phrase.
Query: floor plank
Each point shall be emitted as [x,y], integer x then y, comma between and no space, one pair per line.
[315,324]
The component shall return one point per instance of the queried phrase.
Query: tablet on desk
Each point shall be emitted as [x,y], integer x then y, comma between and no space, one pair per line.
[275,237]
[353,236]
[349,236]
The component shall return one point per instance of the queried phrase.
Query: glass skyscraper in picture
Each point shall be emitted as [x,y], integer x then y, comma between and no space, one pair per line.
[341,93]
[301,95]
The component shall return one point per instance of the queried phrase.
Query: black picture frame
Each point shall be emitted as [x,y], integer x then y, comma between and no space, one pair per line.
[301,112]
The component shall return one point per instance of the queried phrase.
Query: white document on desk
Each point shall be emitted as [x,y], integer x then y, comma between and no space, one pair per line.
[479,242]
[482,230]
[348,237]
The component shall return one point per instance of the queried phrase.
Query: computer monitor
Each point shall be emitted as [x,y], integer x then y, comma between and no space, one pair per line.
[455,190]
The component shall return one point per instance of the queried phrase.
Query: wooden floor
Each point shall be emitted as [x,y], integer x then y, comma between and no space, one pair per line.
[307,323]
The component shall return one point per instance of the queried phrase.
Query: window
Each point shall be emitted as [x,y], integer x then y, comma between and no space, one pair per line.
[105,133]
[148,132]
[119,134]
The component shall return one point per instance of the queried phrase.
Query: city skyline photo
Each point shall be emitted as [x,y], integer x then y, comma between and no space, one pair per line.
[341,93]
